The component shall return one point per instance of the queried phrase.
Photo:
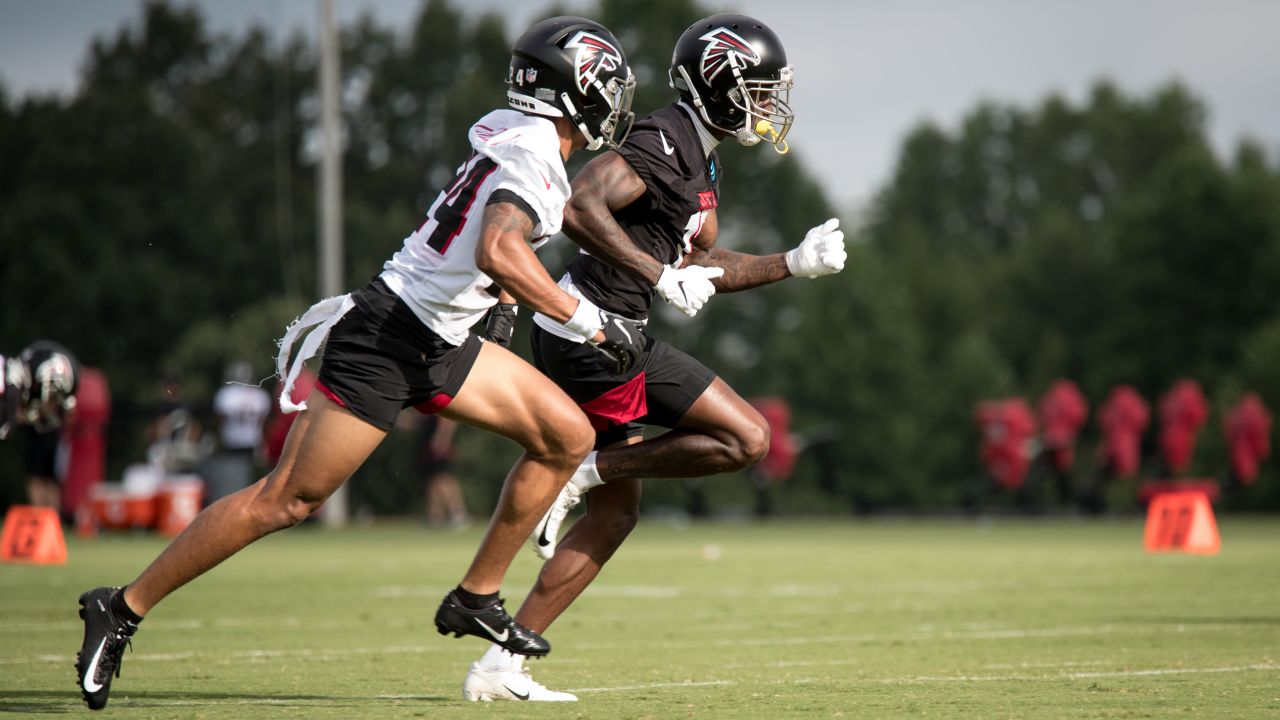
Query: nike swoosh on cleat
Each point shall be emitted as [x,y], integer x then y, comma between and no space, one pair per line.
[518,695]
[500,637]
[90,683]
[543,540]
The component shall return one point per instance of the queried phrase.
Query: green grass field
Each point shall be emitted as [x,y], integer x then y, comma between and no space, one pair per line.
[857,619]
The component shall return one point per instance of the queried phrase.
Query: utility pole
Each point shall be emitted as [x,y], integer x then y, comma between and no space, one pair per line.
[330,205]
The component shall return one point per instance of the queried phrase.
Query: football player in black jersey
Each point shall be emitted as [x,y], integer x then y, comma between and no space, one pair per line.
[645,215]
[38,387]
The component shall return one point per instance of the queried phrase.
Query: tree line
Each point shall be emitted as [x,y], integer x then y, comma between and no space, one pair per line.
[161,220]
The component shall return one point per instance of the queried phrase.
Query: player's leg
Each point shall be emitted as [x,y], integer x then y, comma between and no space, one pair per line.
[714,429]
[504,394]
[612,512]
[720,432]
[325,445]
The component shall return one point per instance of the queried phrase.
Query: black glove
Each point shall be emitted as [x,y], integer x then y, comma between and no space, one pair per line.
[501,324]
[623,343]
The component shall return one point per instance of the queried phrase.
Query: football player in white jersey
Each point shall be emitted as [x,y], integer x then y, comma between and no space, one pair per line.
[646,218]
[403,340]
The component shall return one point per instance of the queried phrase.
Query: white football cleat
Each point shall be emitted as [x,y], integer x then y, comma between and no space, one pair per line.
[490,685]
[547,530]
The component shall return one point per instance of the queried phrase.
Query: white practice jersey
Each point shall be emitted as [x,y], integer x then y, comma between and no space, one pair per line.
[242,410]
[435,272]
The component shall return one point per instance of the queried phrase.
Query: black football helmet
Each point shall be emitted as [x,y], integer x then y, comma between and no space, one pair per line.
[573,67]
[733,70]
[52,378]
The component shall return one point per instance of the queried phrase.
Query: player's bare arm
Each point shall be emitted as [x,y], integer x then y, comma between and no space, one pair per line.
[820,253]
[742,271]
[504,254]
[607,184]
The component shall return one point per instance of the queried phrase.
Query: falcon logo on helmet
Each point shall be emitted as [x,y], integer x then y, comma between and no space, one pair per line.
[595,56]
[732,70]
[725,48]
[574,68]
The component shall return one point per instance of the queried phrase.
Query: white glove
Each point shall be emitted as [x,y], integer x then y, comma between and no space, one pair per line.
[820,253]
[689,288]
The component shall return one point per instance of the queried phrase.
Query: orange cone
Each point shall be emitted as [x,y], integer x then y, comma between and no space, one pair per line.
[33,535]
[1181,520]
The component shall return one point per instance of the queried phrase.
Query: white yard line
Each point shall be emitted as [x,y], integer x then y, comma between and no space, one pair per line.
[915,636]
[909,636]
[320,654]
[650,686]
[1264,667]
[143,702]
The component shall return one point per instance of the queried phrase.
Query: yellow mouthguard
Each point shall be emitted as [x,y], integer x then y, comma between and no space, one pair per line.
[765,129]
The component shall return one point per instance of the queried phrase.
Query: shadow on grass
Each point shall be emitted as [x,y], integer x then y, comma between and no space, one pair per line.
[47,702]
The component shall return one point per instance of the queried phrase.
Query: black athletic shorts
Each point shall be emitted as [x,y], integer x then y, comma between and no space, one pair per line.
[657,391]
[380,358]
[42,452]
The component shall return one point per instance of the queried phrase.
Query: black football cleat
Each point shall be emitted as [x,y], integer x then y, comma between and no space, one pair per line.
[105,638]
[491,623]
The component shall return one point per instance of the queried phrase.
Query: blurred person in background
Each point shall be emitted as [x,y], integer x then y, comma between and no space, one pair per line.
[404,340]
[37,391]
[37,387]
[1247,427]
[645,218]
[240,409]
[175,437]
[1183,412]
[444,500]
[1123,418]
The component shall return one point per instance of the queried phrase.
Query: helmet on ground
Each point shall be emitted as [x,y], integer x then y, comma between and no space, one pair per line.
[574,68]
[733,70]
[52,377]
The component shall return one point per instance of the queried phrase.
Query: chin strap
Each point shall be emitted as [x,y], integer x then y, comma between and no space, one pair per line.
[575,117]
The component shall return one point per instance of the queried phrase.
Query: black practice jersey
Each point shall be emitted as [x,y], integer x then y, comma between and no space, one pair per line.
[682,184]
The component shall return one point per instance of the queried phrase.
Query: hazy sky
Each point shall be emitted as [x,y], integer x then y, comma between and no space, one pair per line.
[867,70]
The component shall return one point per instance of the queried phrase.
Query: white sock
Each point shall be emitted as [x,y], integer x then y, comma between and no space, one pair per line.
[499,660]
[587,476]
